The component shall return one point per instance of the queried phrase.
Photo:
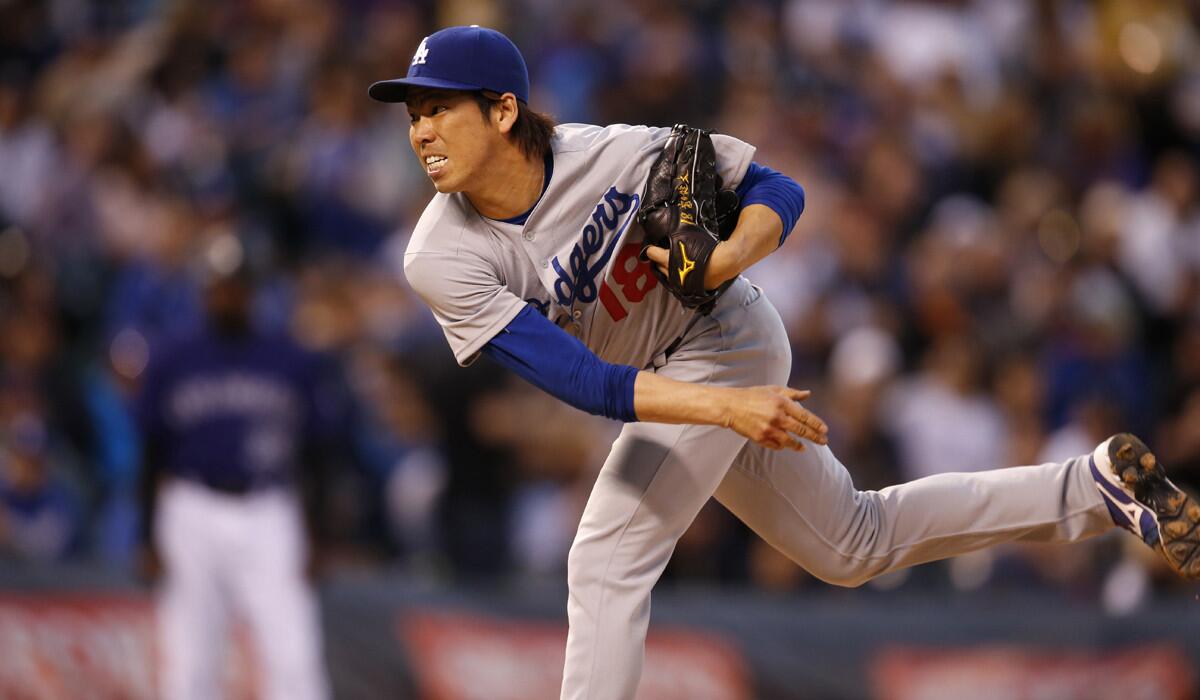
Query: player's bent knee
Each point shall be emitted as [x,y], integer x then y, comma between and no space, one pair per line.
[593,565]
[581,567]
[843,572]
[848,579]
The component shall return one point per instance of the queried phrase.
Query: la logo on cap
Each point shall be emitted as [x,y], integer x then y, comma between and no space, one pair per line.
[422,52]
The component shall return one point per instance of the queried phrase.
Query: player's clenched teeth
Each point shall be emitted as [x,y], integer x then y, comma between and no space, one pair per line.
[434,163]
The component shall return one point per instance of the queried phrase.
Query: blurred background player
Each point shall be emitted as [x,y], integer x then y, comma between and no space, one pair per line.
[235,434]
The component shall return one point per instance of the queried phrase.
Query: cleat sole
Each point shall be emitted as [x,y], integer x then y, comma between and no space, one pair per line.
[1178,514]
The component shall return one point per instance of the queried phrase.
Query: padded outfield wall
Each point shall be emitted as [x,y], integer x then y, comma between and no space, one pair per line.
[81,633]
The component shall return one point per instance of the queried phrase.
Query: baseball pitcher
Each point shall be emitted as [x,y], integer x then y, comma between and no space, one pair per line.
[603,265]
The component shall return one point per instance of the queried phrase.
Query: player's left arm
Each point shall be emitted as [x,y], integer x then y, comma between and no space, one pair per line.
[771,203]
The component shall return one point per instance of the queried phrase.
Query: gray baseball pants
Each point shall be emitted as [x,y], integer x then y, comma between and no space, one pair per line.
[657,477]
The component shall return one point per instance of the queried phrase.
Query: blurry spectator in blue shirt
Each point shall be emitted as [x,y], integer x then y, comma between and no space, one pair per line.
[40,518]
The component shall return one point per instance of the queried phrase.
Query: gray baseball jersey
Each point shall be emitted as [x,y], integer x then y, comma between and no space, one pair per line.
[576,257]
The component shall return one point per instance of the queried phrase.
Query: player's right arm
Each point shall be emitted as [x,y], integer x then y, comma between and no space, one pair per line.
[454,275]
[558,363]
[769,415]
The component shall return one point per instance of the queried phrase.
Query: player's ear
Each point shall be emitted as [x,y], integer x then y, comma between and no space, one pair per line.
[504,112]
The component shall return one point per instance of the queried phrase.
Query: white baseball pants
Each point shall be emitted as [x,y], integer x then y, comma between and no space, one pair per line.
[242,555]
[658,476]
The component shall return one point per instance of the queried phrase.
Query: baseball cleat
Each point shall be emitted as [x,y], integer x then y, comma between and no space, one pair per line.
[1143,500]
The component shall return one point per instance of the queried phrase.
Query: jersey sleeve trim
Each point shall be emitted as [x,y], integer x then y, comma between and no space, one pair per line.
[744,155]
[773,189]
[468,353]
[467,298]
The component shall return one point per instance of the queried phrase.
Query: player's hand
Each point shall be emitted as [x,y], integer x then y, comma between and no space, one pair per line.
[773,417]
[716,274]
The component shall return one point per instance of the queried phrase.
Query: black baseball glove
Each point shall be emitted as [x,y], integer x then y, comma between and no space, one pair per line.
[686,210]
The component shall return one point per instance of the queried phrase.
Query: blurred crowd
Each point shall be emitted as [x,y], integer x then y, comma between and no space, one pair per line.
[999,263]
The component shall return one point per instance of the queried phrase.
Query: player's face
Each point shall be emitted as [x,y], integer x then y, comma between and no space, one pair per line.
[451,138]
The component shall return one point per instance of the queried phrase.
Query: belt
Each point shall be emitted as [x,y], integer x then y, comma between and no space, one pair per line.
[676,343]
[673,346]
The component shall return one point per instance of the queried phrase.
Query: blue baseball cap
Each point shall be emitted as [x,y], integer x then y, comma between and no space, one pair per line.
[461,58]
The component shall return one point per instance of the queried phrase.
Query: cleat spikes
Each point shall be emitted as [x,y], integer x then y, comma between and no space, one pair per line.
[1143,500]
[1176,529]
[1180,551]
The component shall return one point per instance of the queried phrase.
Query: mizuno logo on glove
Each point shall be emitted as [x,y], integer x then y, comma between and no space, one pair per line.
[685,265]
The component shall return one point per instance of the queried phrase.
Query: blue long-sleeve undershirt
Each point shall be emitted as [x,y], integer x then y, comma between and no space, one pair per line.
[557,363]
[782,194]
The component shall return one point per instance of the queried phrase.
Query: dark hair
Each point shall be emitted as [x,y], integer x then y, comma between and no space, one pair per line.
[531,132]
